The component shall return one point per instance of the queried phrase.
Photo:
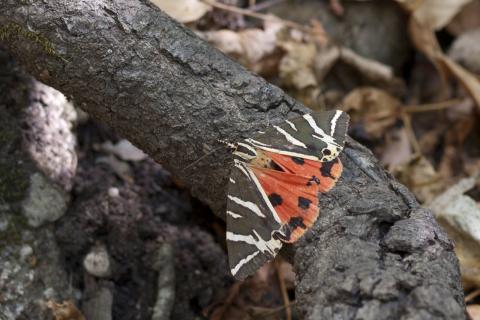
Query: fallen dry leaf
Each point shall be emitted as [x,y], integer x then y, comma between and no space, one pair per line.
[317,33]
[459,210]
[466,19]
[468,252]
[369,68]
[454,140]
[374,109]
[459,214]
[473,311]
[296,66]
[421,178]
[325,59]
[398,149]
[424,40]
[433,13]
[183,10]
[65,310]
[467,79]
[254,48]
[429,140]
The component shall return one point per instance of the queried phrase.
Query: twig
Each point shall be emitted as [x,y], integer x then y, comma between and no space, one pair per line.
[283,289]
[264,5]
[432,106]
[278,309]
[232,293]
[472,295]
[337,8]
[261,16]
[411,135]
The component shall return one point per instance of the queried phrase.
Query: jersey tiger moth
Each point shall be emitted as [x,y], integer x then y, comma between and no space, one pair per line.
[274,184]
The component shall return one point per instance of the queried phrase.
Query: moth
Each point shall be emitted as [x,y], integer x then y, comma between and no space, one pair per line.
[273,187]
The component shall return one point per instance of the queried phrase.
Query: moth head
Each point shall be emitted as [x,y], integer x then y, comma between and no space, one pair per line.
[329,153]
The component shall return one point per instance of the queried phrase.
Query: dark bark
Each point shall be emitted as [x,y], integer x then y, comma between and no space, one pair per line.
[373,254]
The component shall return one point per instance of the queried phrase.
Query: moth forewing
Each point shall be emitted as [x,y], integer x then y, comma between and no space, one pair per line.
[249,224]
[317,136]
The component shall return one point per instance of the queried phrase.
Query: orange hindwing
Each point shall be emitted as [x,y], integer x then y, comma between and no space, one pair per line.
[325,174]
[294,199]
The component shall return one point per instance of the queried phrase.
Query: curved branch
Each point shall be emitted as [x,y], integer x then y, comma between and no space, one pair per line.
[373,254]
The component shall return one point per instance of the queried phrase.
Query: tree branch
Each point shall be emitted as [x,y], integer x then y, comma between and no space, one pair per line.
[373,254]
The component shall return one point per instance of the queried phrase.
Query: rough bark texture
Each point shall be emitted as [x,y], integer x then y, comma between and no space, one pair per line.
[374,253]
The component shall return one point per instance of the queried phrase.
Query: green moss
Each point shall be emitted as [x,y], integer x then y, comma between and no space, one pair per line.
[12,30]
[13,235]
[14,182]
[6,136]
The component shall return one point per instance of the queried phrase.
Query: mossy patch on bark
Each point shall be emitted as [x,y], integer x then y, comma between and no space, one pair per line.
[11,30]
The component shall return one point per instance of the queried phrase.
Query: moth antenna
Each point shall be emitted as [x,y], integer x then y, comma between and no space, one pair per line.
[230,145]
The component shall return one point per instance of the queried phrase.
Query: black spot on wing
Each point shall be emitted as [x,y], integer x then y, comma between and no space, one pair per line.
[326,168]
[283,234]
[298,160]
[326,152]
[296,222]
[304,203]
[313,180]
[275,199]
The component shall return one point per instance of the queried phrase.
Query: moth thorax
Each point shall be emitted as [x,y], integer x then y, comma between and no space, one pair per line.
[262,160]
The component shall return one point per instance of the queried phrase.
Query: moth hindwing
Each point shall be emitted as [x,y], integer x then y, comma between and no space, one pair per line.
[272,193]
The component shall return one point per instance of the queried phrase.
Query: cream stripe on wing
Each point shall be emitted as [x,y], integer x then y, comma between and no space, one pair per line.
[247,146]
[247,204]
[291,153]
[264,196]
[244,261]
[233,214]
[323,136]
[290,138]
[291,125]
[240,166]
[269,246]
[258,143]
[334,122]
[244,155]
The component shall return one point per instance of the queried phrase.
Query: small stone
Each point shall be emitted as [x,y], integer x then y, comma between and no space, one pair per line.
[113,192]
[25,252]
[97,262]
[49,293]
[4,223]
[44,202]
